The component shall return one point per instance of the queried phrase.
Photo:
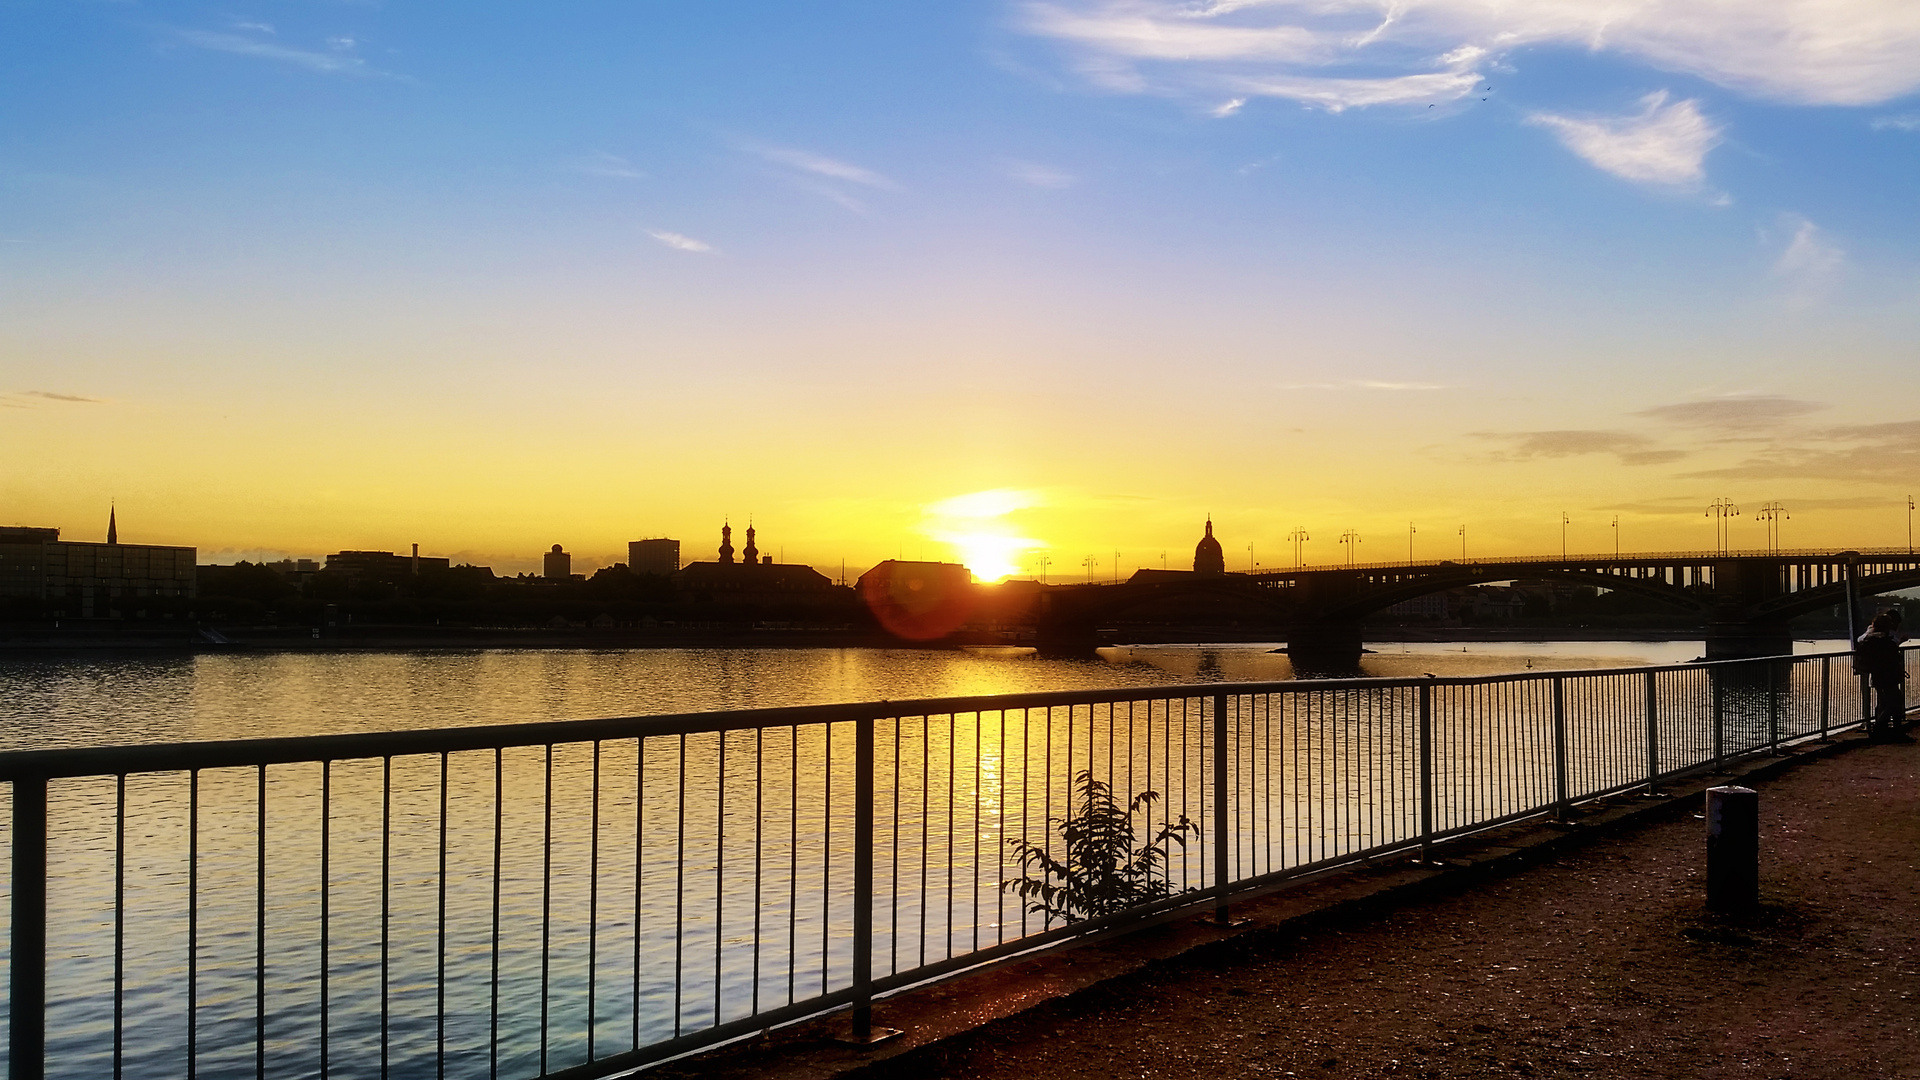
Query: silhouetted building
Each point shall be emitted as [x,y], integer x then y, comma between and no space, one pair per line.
[381,565]
[919,601]
[87,579]
[1207,556]
[556,565]
[660,557]
[750,554]
[760,581]
[113,525]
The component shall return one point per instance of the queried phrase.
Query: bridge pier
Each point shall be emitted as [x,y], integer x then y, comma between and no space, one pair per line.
[1325,648]
[1742,640]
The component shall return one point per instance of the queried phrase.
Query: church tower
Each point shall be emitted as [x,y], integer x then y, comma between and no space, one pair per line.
[750,554]
[1207,556]
[113,526]
[726,544]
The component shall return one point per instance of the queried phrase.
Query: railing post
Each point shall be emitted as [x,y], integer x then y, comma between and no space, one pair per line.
[1426,768]
[863,880]
[1866,704]
[1826,695]
[1773,706]
[1653,735]
[1220,808]
[27,992]
[1560,748]
[1719,718]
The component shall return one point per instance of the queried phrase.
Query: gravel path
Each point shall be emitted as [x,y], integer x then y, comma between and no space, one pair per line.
[1602,963]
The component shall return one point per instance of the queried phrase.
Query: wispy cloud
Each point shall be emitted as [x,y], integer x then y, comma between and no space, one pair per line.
[1364,384]
[1630,447]
[600,163]
[1832,52]
[1040,176]
[51,396]
[1885,452]
[339,60]
[1665,144]
[1906,122]
[807,161]
[1809,260]
[680,242]
[1733,411]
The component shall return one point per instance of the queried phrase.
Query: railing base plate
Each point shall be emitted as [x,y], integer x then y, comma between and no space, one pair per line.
[874,1037]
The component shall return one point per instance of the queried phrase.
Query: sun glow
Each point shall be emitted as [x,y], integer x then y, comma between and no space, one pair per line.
[975,526]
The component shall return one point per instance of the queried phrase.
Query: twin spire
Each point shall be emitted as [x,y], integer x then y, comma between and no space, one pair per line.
[749,554]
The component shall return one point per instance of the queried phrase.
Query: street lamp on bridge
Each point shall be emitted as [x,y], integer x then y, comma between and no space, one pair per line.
[1410,532]
[1350,538]
[1771,513]
[1564,522]
[1720,511]
[1909,524]
[1616,536]
[1298,537]
[1463,543]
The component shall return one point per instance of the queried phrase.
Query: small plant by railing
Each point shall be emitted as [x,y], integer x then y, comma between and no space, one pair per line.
[1103,870]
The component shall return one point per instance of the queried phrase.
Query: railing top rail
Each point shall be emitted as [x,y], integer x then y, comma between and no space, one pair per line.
[245,753]
[1625,558]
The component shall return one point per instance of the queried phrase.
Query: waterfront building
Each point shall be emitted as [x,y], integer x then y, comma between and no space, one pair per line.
[919,601]
[660,556]
[556,565]
[1207,556]
[382,565]
[84,579]
[755,579]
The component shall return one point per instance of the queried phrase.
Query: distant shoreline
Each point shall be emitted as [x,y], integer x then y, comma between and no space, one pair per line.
[39,640]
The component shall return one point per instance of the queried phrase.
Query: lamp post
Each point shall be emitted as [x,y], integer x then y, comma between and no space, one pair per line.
[1771,513]
[1909,524]
[1298,536]
[1564,522]
[1044,561]
[1463,543]
[1090,562]
[1350,538]
[1616,536]
[1720,510]
[1251,565]
[1410,532]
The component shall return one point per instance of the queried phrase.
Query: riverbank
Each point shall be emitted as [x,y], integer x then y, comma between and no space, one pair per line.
[1535,952]
[185,637]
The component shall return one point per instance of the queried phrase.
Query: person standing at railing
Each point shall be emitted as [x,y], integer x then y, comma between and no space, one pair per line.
[1877,656]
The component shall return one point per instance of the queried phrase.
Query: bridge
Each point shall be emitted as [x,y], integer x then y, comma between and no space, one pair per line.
[1744,599]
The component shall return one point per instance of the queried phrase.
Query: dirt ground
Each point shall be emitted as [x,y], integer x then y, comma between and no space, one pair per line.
[1603,963]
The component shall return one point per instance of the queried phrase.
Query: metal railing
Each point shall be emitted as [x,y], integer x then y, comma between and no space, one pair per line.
[573,899]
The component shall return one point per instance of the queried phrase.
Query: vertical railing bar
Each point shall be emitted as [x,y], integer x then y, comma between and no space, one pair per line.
[493,979]
[719,869]
[1560,796]
[386,905]
[863,755]
[826,862]
[759,851]
[680,889]
[593,909]
[793,873]
[440,938]
[1426,770]
[27,974]
[193,921]
[1653,733]
[893,872]
[1220,808]
[953,778]
[1773,707]
[639,868]
[260,926]
[326,917]
[119,922]
[1826,695]
[546,901]
[973,897]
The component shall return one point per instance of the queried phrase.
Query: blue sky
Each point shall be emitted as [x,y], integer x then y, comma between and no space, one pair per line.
[644,265]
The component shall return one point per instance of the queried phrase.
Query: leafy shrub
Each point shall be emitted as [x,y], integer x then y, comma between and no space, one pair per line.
[1103,871]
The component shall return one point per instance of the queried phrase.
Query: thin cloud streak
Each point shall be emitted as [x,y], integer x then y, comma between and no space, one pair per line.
[330,63]
[1733,412]
[1661,144]
[1808,52]
[1631,448]
[680,242]
[51,396]
[820,165]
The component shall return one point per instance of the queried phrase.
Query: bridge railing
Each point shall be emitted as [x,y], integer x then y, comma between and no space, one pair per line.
[574,899]
[1628,558]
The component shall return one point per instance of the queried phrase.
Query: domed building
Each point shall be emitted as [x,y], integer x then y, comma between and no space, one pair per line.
[1207,556]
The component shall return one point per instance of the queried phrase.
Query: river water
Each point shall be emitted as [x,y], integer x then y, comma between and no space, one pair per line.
[130,698]
[675,882]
